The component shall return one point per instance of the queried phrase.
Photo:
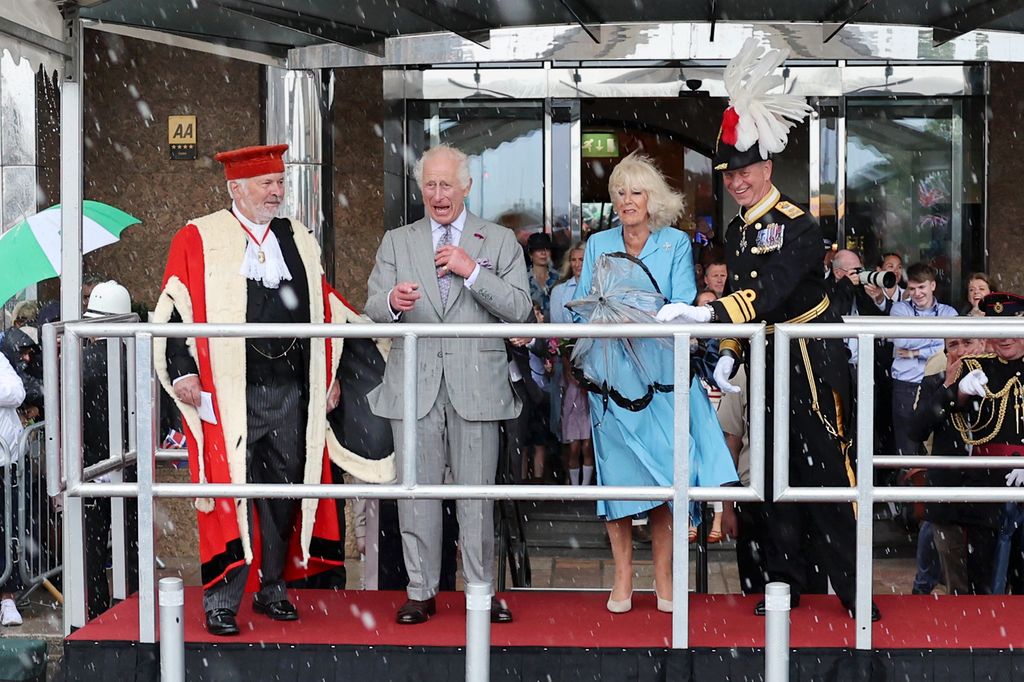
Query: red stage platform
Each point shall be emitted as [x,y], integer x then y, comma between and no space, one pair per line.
[362,624]
[579,619]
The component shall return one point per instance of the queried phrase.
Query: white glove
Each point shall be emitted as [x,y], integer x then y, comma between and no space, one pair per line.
[723,370]
[1015,477]
[683,313]
[974,383]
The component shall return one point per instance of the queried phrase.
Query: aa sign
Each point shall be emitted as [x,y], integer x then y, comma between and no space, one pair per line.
[181,137]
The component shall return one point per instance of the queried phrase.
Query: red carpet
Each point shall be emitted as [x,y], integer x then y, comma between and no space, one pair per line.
[579,619]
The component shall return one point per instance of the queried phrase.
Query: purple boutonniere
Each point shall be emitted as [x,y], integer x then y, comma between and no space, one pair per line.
[478,235]
[484,263]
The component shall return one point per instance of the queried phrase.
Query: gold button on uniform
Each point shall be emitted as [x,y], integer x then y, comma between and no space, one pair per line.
[735,276]
[753,274]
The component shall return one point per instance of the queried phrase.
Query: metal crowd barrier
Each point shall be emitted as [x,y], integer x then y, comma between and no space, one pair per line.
[39,519]
[138,341]
[9,542]
[30,521]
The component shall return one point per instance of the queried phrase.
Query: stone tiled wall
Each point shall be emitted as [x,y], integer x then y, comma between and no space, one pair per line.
[1005,170]
[131,87]
[358,178]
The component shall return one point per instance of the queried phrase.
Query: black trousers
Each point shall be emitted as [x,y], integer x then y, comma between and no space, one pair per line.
[275,453]
[750,554]
[817,458]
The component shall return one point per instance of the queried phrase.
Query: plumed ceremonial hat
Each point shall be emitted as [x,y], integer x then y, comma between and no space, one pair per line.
[250,162]
[1002,304]
[756,124]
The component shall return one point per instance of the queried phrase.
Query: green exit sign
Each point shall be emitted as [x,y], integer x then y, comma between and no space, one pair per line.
[600,146]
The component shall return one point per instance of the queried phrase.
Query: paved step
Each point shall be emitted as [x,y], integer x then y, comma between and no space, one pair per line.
[572,529]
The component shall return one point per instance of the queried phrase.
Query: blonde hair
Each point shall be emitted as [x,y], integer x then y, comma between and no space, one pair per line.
[565,272]
[638,172]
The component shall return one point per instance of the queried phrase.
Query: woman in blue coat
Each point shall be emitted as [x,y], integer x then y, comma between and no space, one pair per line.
[633,447]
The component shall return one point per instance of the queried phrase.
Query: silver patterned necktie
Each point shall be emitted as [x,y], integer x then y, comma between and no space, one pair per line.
[444,277]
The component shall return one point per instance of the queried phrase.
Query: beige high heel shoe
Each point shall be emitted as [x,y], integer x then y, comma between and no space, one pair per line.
[620,605]
[664,605]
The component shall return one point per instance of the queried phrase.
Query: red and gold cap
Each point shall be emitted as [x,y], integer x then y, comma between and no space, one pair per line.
[250,162]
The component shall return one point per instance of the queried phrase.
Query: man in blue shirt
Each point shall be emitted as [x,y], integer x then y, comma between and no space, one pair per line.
[910,355]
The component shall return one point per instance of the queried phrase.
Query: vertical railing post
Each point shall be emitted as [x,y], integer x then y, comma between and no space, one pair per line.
[757,378]
[409,391]
[172,630]
[681,492]
[776,632]
[865,485]
[146,437]
[478,632]
[780,403]
[76,602]
[115,409]
[52,408]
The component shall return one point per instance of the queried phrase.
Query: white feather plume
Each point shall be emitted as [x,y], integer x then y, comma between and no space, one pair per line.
[763,118]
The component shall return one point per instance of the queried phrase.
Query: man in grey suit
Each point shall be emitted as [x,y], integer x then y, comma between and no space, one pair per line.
[450,266]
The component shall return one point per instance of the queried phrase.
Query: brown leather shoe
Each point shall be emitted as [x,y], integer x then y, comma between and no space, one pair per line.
[414,612]
[500,612]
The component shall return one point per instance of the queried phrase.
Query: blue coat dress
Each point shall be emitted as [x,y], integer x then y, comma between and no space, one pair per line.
[635,448]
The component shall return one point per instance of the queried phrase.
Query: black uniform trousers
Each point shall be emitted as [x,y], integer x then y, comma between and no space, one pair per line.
[816,458]
[276,414]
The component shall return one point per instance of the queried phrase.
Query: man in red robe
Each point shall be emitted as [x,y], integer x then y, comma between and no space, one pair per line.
[255,409]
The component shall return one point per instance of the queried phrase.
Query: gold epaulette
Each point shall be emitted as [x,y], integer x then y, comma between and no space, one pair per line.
[789,209]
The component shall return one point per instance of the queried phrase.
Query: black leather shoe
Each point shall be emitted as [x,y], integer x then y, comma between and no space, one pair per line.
[760,610]
[221,622]
[876,615]
[500,612]
[414,612]
[276,610]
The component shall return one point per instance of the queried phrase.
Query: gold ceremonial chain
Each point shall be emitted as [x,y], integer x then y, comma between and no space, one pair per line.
[836,430]
[275,357]
[996,402]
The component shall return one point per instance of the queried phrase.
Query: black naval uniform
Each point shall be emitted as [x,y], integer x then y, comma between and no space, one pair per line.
[934,418]
[994,427]
[773,251]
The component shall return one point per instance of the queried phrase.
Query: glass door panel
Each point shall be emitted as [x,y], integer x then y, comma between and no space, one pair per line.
[505,145]
[904,185]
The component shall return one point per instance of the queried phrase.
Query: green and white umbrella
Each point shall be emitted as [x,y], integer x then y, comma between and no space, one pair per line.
[30,251]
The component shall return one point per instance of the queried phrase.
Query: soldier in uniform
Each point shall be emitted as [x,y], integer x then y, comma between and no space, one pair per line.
[773,250]
[989,414]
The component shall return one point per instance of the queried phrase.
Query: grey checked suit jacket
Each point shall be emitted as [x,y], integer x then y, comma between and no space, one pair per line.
[475,371]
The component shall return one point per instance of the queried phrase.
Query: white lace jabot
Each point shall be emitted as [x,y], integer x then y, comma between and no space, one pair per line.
[271,268]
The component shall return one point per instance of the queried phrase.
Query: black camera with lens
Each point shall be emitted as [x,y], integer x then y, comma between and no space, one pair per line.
[878,278]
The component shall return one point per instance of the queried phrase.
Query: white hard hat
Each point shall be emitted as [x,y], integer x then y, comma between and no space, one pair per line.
[108,298]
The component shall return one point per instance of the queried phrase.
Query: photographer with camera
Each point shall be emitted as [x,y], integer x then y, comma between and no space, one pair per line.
[892,291]
[849,293]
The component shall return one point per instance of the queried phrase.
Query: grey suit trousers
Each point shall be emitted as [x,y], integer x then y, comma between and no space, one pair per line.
[274,453]
[470,449]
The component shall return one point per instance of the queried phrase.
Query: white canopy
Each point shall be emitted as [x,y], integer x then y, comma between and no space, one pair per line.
[33,30]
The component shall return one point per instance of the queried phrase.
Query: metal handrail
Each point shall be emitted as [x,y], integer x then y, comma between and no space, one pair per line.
[865,329]
[146,489]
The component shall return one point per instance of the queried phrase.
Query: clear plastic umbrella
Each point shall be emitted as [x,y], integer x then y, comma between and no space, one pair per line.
[627,371]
